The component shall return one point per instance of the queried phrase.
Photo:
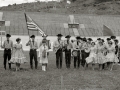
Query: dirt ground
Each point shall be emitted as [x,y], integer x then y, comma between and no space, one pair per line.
[58,79]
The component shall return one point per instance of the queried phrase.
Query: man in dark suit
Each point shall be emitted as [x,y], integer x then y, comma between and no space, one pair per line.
[58,49]
[33,51]
[68,47]
[8,46]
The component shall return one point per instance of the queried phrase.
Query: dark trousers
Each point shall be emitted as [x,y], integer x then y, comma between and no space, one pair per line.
[84,56]
[59,56]
[33,55]
[7,56]
[68,58]
[77,60]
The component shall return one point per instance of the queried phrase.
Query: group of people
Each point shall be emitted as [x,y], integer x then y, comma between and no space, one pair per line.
[83,50]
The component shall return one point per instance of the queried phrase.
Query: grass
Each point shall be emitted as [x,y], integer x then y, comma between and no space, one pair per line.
[73,79]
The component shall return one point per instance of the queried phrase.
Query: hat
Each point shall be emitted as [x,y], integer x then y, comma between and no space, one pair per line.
[99,39]
[33,36]
[116,40]
[68,36]
[59,35]
[84,39]
[113,37]
[90,39]
[8,35]
[18,39]
[78,37]
[108,39]
[44,35]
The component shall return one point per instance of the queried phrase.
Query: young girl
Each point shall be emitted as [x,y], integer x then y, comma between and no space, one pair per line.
[18,56]
[111,57]
[91,58]
[44,55]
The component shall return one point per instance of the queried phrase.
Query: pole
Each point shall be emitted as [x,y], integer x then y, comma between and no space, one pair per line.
[26,23]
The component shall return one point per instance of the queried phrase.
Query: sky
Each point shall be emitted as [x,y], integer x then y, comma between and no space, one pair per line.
[7,2]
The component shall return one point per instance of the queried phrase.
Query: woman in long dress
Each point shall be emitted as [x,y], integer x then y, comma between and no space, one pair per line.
[91,58]
[100,58]
[18,55]
[111,57]
[43,55]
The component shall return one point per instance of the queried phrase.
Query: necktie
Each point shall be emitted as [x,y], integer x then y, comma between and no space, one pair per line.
[8,41]
[77,43]
[67,41]
[59,41]
[33,42]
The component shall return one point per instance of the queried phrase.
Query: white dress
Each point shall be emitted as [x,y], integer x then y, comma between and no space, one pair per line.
[18,55]
[111,57]
[92,55]
[100,57]
[43,60]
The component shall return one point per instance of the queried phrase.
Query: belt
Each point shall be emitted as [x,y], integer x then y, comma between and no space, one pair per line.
[7,48]
[68,49]
[33,49]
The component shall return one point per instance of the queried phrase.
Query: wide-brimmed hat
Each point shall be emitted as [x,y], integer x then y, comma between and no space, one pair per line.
[99,39]
[113,37]
[78,37]
[108,39]
[32,36]
[8,35]
[68,36]
[59,35]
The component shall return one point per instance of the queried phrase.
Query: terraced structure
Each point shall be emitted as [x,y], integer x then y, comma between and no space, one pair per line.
[53,24]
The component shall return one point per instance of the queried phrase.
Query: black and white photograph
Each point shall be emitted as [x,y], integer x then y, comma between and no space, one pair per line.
[59,45]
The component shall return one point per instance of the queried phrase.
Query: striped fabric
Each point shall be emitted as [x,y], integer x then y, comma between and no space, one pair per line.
[32,25]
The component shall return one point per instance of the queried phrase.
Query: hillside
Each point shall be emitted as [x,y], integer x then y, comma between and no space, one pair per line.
[78,6]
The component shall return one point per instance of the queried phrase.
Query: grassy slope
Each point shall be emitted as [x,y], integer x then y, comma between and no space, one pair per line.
[80,6]
[79,79]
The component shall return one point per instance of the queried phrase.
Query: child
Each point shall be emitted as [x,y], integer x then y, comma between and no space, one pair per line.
[44,55]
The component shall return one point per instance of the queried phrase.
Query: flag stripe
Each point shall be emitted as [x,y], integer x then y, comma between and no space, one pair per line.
[32,25]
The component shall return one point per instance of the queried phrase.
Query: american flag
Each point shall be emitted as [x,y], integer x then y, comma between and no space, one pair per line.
[32,25]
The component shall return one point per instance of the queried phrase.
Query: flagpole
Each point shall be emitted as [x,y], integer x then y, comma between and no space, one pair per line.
[26,24]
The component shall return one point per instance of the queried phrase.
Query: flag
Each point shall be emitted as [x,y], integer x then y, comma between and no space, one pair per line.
[107,31]
[32,25]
